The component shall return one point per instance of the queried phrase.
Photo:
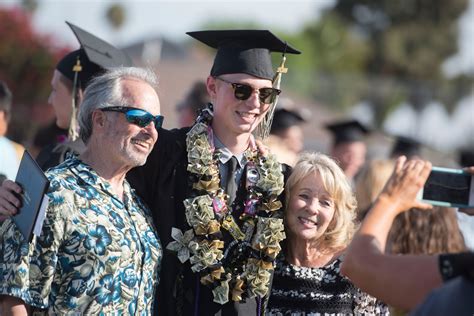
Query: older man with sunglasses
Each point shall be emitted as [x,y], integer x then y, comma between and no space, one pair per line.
[98,252]
[213,194]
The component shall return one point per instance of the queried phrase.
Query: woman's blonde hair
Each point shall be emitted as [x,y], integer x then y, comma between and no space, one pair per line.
[342,227]
[370,183]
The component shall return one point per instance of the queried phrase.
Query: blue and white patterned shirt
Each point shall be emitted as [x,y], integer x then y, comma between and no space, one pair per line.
[96,254]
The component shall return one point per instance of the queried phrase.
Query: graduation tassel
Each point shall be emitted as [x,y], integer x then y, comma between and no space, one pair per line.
[263,129]
[73,132]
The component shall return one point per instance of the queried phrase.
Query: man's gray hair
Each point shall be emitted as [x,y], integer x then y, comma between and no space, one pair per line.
[106,91]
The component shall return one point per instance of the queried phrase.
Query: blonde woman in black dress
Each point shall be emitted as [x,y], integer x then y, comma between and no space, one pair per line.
[320,222]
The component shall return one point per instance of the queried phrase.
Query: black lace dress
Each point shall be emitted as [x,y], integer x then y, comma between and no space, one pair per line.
[301,291]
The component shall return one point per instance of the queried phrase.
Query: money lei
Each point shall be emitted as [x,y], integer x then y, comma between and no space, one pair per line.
[207,212]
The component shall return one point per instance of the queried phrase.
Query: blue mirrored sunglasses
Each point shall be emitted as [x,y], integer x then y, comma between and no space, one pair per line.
[137,116]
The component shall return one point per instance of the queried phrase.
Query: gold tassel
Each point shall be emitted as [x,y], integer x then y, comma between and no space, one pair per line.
[263,129]
[73,132]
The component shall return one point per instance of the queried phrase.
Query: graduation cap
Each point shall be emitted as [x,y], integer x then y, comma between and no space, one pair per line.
[406,146]
[243,51]
[348,131]
[88,71]
[80,66]
[283,119]
[94,56]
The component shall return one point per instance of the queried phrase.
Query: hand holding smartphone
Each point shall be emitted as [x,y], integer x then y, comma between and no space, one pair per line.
[448,187]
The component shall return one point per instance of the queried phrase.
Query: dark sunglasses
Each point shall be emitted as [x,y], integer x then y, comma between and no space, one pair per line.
[244,91]
[136,116]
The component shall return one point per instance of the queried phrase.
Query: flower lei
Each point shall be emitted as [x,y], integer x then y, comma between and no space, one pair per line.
[209,215]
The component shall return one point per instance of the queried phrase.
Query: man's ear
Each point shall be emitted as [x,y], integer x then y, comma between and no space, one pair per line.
[211,87]
[99,119]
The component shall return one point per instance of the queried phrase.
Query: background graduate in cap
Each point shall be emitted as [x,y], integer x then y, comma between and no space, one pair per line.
[287,125]
[406,146]
[70,78]
[286,135]
[227,231]
[195,99]
[348,147]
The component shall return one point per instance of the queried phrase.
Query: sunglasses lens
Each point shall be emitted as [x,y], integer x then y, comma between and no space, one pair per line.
[267,95]
[139,117]
[159,121]
[242,91]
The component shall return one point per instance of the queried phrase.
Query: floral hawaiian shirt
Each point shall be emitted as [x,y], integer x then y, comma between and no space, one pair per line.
[96,254]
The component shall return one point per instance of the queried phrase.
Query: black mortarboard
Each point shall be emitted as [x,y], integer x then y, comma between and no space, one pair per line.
[283,119]
[406,146]
[348,131]
[243,51]
[95,55]
[89,69]
[81,65]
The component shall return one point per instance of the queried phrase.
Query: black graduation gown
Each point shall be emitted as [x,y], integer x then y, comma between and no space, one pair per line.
[53,154]
[162,183]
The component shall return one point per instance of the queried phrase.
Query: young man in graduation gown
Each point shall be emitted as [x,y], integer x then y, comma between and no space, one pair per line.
[70,78]
[213,194]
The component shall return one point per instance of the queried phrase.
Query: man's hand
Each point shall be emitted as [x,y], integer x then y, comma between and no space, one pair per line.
[264,151]
[12,306]
[406,181]
[9,201]
[411,278]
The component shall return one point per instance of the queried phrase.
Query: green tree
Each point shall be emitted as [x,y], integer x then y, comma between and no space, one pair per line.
[333,59]
[408,42]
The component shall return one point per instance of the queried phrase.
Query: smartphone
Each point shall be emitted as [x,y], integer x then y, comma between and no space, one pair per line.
[448,187]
